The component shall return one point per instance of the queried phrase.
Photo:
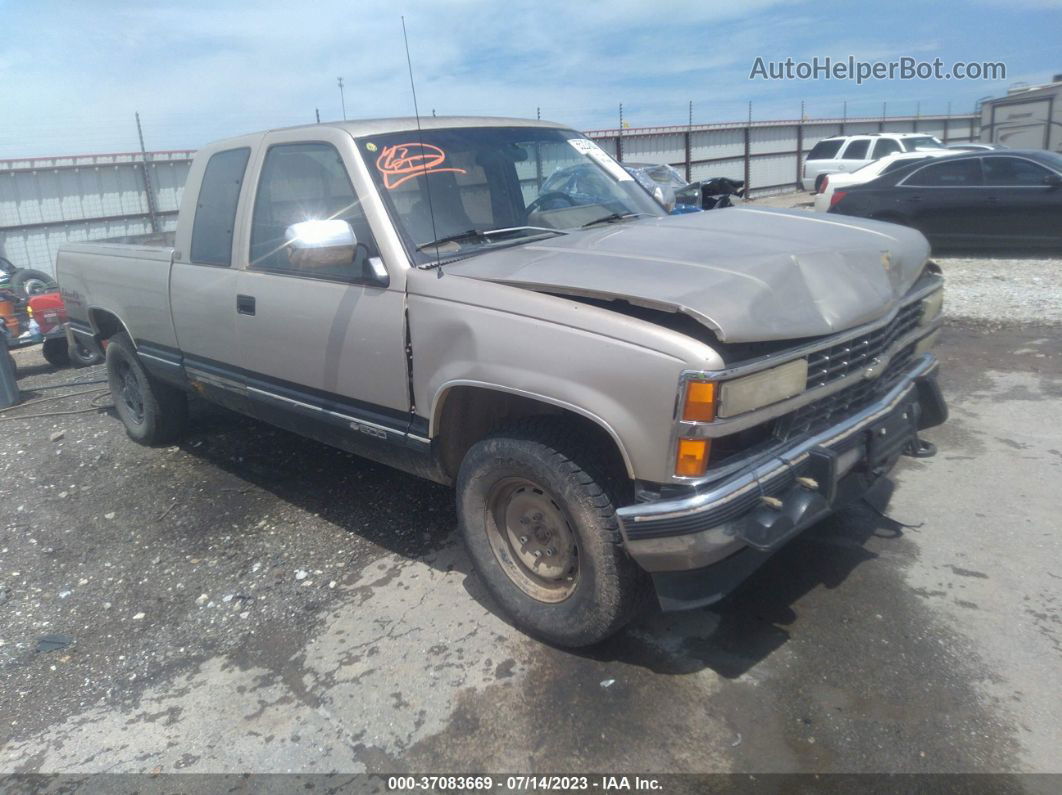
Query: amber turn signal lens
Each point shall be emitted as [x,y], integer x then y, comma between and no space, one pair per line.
[700,402]
[692,458]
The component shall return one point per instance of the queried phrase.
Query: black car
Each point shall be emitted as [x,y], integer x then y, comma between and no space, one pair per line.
[1011,198]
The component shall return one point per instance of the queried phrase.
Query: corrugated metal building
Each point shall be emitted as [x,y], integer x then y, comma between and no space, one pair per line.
[48,201]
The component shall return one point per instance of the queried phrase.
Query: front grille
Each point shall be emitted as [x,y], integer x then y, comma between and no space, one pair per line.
[830,410]
[837,361]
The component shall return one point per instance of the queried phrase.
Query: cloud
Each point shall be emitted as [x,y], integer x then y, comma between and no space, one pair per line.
[196,71]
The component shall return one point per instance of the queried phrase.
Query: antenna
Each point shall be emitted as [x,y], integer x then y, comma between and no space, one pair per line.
[420,140]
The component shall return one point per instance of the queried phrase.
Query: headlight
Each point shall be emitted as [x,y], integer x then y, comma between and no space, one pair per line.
[932,304]
[763,388]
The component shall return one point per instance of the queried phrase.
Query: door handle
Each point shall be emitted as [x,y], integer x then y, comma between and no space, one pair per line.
[245,304]
[992,200]
[913,198]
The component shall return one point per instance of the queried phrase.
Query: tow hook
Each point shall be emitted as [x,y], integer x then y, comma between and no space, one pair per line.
[920,448]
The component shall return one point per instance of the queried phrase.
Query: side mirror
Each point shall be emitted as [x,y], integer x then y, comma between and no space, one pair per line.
[320,244]
[1053,181]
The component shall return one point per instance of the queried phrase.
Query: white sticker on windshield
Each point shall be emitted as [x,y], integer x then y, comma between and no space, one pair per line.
[585,146]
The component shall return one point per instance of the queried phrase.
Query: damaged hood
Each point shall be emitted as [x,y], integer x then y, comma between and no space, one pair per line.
[747,274]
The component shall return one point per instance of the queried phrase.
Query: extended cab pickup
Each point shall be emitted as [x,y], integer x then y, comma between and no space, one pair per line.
[624,400]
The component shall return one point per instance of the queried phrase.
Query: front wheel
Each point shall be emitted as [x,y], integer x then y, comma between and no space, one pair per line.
[153,412]
[539,522]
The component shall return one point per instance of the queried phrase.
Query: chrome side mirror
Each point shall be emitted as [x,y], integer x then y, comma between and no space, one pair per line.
[319,244]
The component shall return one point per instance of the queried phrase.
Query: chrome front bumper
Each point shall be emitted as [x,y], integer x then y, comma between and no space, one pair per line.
[800,485]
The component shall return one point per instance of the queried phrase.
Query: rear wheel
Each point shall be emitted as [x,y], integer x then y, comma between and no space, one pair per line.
[55,351]
[153,412]
[537,516]
[83,356]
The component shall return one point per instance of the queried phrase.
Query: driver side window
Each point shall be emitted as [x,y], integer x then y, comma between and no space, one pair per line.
[305,182]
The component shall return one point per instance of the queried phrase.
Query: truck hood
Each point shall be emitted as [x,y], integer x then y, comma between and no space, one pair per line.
[747,274]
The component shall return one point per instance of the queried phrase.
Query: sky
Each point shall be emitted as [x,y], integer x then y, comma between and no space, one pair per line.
[72,74]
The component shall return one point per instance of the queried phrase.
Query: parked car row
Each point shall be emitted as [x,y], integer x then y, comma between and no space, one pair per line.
[852,152]
[986,198]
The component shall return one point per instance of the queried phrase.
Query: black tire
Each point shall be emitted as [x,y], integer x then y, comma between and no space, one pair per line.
[27,282]
[55,352]
[81,355]
[607,588]
[153,412]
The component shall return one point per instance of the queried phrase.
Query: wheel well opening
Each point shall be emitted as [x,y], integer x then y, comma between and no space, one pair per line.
[468,414]
[105,323]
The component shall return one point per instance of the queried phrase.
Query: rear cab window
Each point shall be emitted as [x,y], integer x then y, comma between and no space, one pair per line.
[825,150]
[215,210]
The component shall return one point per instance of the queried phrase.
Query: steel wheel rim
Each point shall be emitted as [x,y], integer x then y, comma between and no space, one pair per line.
[35,286]
[532,539]
[82,353]
[130,392]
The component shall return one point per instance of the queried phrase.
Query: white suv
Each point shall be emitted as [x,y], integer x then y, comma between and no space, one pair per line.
[851,152]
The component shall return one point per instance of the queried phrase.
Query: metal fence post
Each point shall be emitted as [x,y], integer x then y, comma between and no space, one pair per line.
[689,158]
[153,210]
[748,158]
[800,144]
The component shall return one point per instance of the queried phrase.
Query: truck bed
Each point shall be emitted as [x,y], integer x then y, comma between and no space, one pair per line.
[130,279]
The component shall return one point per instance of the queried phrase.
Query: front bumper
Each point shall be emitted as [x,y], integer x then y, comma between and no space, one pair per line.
[699,547]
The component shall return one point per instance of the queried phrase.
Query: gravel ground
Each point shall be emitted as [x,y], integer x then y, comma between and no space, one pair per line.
[996,292]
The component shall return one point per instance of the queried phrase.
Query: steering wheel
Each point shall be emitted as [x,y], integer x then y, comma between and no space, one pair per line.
[548,196]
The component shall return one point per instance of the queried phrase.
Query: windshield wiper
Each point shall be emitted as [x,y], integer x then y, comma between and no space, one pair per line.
[468,234]
[486,234]
[611,217]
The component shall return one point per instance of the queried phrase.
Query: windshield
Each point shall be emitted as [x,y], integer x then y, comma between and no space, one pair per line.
[926,142]
[468,189]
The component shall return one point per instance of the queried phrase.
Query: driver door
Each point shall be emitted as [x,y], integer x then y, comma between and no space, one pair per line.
[320,345]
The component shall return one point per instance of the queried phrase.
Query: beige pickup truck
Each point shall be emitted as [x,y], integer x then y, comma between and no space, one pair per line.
[628,402]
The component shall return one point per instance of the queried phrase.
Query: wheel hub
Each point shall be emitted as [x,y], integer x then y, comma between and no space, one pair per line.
[533,540]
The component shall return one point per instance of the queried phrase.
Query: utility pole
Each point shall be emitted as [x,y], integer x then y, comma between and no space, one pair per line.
[619,136]
[342,97]
[153,210]
[538,113]
[317,113]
